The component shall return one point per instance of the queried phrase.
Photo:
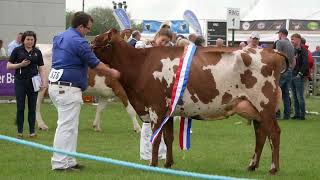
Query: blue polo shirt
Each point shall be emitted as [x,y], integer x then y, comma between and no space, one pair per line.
[72,53]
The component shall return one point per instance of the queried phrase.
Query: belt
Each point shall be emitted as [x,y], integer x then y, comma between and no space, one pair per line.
[63,83]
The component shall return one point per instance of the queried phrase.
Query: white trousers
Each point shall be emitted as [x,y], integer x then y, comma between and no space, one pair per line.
[146,146]
[67,101]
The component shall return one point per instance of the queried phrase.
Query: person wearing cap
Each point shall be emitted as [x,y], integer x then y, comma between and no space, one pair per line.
[254,40]
[299,73]
[284,45]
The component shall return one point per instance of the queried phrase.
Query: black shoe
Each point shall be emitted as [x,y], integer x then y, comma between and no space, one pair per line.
[78,166]
[295,117]
[286,118]
[69,169]
[302,118]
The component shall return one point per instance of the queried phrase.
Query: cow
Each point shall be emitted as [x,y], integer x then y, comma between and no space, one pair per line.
[98,86]
[222,82]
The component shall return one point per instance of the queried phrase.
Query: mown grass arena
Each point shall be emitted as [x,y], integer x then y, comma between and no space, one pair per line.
[218,148]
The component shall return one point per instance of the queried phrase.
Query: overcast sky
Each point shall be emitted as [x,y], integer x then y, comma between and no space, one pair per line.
[210,9]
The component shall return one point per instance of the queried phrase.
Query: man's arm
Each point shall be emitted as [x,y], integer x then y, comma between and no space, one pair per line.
[102,69]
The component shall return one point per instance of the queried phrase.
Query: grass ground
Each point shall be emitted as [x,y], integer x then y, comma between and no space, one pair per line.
[221,148]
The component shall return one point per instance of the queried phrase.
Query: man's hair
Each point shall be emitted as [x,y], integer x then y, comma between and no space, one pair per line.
[296,35]
[80,18]
[20,33]
[303,40]
[164,32]
[29,33]
[1,41]
[199,40]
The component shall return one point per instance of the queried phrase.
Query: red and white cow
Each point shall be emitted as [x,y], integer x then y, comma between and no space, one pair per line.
[98,86]
[222,82]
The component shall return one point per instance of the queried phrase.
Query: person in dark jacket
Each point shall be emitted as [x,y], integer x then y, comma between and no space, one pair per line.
[299,74]
[28,62]
[135,37]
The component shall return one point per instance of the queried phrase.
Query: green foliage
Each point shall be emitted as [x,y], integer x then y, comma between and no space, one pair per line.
[220,147]
[103,21]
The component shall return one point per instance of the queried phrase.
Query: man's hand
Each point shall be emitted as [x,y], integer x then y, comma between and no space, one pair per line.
[114,73]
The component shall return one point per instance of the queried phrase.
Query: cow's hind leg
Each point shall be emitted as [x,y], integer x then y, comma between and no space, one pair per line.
[274,140]
[168,139]
[155,146]
[260,140]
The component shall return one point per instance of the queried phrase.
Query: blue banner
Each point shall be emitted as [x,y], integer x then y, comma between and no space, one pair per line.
[191,18]
[122,19]
[178,26]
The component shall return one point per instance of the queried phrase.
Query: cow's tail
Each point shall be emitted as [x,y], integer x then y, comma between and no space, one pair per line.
[286,62]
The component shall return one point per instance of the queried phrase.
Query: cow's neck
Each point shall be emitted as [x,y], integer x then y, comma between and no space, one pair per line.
[128,61]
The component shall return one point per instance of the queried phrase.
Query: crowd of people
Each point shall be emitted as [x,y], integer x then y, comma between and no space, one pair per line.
[72,55]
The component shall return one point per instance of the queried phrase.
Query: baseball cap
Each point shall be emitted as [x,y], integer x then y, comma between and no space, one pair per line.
[283,30]
[255,35]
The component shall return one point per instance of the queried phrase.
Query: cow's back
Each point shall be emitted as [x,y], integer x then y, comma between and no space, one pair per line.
[217,80]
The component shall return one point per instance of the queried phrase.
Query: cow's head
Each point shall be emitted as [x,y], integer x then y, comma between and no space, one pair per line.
[102,45]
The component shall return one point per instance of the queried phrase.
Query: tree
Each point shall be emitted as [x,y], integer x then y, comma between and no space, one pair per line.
[103,20]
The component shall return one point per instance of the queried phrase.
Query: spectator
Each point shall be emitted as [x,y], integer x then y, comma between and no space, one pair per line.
[299,74]
[14,44]
[136,36]
[219,43]
[242,44]
[254,40]
[192,37]
[317,51]
[28,63]
[2,50]
[71,57]
[125,34]
[283,45]
[310,67]
[199,41]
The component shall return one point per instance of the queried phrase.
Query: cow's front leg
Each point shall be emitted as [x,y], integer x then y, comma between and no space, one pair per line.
[97,120]
[168,139]
[41,124]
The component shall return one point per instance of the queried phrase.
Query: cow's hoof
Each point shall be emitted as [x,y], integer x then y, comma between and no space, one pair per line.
[273,171]
[153,164]
[43,127]
[138,130]
[251,168]
[97,129]
[168,164]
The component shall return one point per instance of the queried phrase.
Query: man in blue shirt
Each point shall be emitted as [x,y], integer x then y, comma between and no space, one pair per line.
[71,57]
[14,44]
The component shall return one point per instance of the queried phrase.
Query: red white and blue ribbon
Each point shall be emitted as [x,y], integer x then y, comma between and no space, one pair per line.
[184,135]
[180,84]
